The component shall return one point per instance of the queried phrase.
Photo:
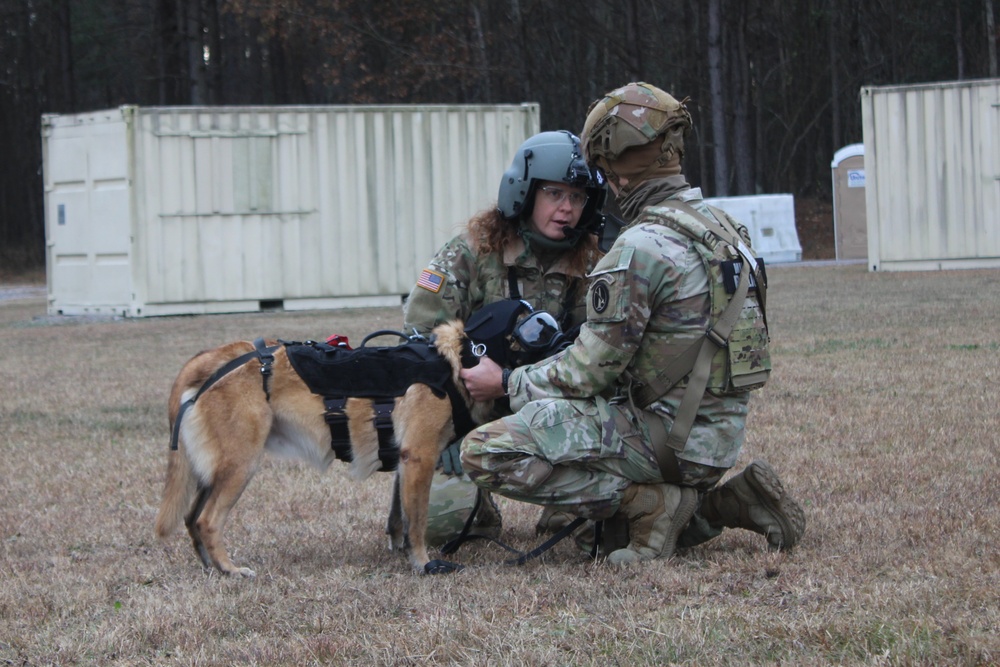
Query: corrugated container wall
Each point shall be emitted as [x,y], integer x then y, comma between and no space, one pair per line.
[932,163]
[158,211]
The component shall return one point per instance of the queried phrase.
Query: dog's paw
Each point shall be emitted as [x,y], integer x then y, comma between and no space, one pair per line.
[438,566]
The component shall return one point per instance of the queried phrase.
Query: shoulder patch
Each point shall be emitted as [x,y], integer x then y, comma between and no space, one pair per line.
[432,281]
[599,296]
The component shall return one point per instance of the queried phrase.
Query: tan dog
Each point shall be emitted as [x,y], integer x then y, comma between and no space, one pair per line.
[224,434]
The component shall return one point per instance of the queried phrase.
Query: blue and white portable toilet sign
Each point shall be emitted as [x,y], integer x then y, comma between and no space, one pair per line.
[855,178]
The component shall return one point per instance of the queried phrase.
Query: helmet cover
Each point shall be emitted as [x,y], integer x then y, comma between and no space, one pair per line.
[631,116]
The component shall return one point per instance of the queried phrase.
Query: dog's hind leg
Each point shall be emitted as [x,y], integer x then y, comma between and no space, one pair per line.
[191,519]
[232,432]
[207,529]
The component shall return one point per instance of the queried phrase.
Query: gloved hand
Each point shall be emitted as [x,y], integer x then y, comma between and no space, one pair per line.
[450,462]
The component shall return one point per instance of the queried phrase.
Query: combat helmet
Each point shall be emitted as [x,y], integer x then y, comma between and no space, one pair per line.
[550,156]
[632,116]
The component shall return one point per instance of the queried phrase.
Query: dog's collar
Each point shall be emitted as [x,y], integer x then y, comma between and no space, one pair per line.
[469,357]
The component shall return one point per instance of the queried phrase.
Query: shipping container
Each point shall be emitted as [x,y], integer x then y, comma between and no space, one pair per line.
[184,210]
[932,175]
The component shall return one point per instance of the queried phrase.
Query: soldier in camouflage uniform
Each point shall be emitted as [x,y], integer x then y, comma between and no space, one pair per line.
[537,245]
[580,439]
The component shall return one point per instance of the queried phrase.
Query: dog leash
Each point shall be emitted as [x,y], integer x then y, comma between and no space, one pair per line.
[440,566]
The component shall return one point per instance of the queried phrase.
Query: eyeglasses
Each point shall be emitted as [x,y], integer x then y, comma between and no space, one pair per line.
[555,196]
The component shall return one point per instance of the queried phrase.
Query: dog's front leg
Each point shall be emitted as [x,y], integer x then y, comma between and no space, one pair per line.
[423,424]
[415,473]
[394,526]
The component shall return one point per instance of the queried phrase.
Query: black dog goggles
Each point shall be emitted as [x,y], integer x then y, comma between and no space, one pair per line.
[538,332]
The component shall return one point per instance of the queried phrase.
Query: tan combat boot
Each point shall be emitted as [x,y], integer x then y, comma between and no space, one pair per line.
[756,500]
[552,520]
[656,514]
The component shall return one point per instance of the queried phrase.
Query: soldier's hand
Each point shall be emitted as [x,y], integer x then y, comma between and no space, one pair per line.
[484,380]
[450,462]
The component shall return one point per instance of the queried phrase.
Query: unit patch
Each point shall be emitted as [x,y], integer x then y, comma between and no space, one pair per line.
[432,281]
[600,296]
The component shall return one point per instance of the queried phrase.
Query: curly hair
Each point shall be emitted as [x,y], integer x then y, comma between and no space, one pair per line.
[491,233]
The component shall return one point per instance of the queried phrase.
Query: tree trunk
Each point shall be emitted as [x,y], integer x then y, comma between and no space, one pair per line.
[66,57]
[633,41]
[485,94]
[215,58]
[959,53]
[991,37]
[195,49]
[741,80]
[832,36]
[718,103]
[523,71]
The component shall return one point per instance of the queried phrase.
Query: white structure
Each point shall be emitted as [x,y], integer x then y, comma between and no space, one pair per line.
[850,224]
[160,211]
[932,164]
[770,220]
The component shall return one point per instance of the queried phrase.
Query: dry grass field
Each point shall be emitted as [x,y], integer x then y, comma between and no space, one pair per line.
[881,416]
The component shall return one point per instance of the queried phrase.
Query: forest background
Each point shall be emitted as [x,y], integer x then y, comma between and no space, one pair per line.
[774,84]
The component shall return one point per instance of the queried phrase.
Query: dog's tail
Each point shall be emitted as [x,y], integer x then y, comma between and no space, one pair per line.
[180,486]
[178,492]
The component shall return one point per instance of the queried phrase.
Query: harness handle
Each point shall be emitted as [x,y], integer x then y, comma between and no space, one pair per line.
[384,332]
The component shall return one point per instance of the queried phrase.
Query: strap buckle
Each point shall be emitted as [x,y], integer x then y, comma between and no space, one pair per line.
[716,339]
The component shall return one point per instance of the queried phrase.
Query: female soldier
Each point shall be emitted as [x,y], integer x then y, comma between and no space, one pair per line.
[538,245]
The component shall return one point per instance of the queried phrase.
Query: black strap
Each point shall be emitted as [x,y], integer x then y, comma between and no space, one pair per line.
[266,356]
[460,416]
[340,437]
[568,302]
[548,544]
[522,558]
[515,291]
[451,546]
[388,452]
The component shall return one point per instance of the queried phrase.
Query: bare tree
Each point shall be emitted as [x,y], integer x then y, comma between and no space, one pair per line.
[718,102]
[741,71]
[991,37]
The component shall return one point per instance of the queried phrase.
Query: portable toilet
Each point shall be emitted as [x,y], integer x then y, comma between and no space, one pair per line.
[850,223]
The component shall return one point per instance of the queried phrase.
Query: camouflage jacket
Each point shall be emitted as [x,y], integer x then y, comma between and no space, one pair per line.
[648,298]
[461,282]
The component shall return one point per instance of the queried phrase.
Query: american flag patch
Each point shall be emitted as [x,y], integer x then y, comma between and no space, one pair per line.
[432,281]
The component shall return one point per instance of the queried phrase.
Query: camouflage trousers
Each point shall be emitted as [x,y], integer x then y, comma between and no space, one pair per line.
[573,455]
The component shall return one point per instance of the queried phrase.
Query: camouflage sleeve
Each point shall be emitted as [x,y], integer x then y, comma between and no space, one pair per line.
[618,309]
[444,290]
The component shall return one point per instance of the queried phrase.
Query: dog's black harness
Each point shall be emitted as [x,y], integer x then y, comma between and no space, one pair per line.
[337,373]
[261,351]
[378,373]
